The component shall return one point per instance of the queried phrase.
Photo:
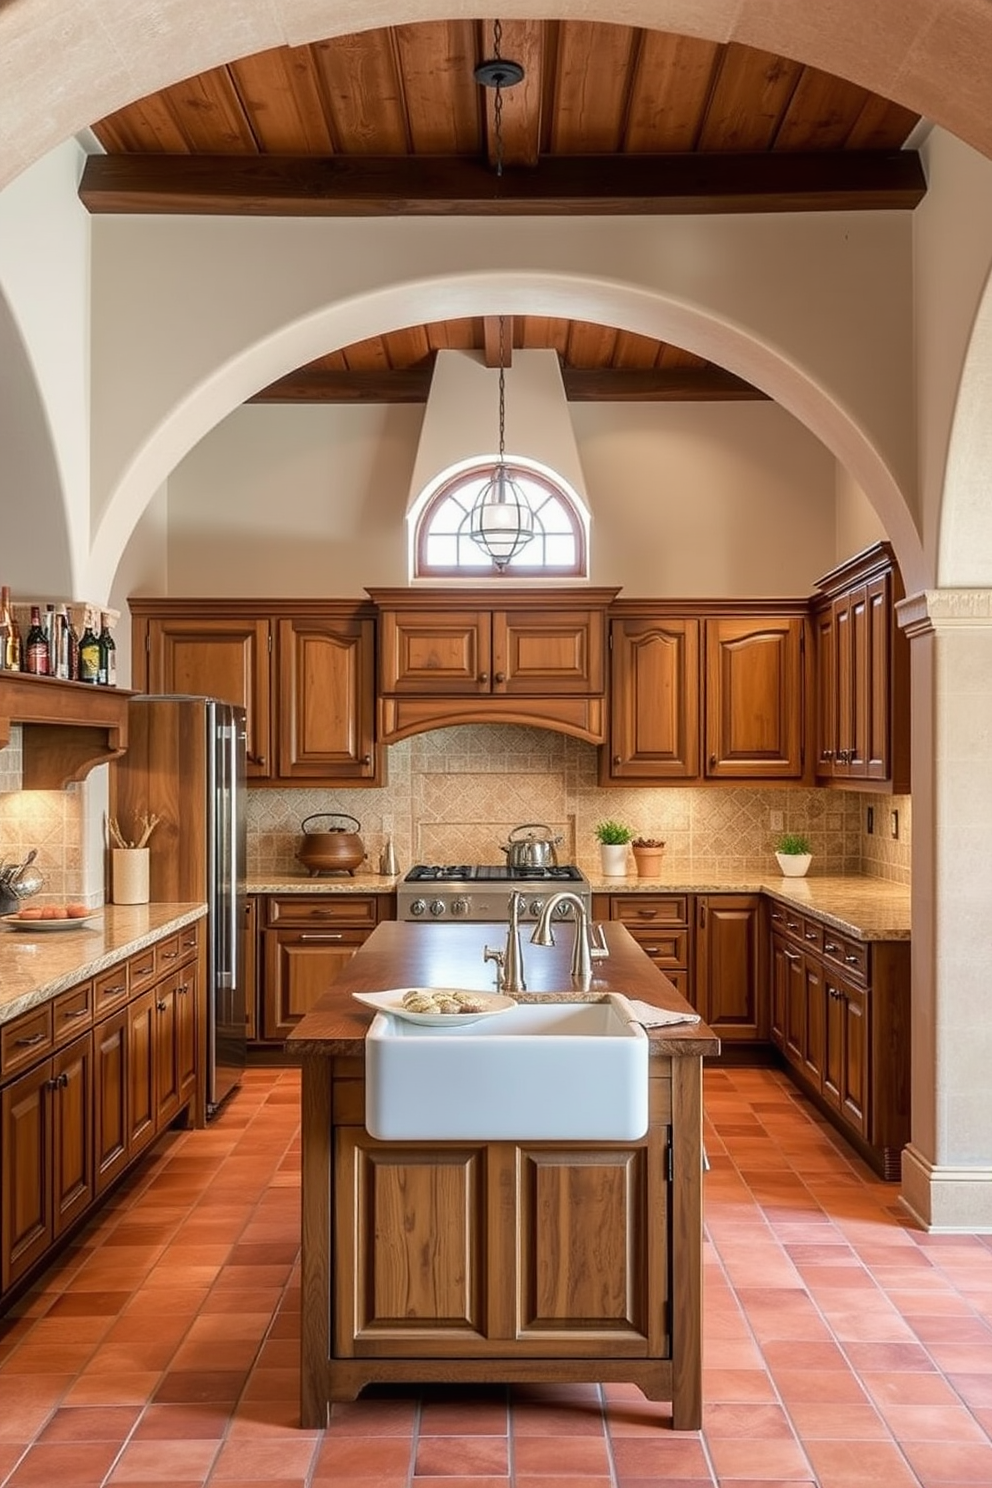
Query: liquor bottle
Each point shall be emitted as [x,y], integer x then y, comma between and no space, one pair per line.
[89,654]
[36,646]
[6,620]
[15,651]
[107,676]
[71,649]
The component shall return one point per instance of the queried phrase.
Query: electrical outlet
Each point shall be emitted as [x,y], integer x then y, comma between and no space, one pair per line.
[870,820]
[894,823]
[776,820]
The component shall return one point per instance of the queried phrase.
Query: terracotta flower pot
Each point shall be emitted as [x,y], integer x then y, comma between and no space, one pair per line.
[648,860]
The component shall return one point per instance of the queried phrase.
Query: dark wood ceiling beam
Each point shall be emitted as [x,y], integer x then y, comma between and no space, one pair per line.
[492,350]
[602,384]
[296,186]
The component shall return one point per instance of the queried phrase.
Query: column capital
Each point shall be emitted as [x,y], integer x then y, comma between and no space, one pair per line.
[945,609]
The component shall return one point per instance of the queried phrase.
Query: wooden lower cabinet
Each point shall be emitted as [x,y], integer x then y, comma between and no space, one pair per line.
[76,1111]
[307,941]
[662,926]
[730,981]
[840,1016]
[249,967]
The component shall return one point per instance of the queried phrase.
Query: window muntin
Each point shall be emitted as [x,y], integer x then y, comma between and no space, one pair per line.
[443,547]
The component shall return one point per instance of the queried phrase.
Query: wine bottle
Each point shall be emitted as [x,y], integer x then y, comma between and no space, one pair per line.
[36,654]
[6,620]
[107,676]
[89,654]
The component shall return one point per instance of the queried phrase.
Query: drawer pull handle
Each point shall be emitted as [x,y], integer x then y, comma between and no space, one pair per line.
[161,1006]
[810,934]
[777,916]
[113,991]
[792,956]
[142,971]
[169,955]
[831,947]
[324,935]
[792,924]
[75,1013]
[29,1043]
[647,914]
[189,944]
[183,988]
[852,960]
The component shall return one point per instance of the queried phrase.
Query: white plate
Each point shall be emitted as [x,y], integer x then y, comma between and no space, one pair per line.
[392,1002]
[16,923]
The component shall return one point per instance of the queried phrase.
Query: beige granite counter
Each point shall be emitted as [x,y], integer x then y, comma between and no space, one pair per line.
[864,908]
[35,965]
[337,883]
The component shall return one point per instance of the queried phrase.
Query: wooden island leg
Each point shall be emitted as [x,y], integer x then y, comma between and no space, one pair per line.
[315,1321]
[687,1244]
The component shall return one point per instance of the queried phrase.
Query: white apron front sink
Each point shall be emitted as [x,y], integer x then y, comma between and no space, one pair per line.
[556,1071]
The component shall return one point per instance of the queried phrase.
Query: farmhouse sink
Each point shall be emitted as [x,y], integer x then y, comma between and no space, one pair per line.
[562,1071]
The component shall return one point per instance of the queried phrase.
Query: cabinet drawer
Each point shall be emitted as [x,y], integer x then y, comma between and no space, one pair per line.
[849,955]
[25,1039]
[813,936]
[330,909]
[111,989]
[189,941]
[142,969]
[645,910]
[72,1012]
[667,948]
[168,954]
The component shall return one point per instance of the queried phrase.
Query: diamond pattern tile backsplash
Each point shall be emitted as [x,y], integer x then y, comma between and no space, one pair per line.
[455,794]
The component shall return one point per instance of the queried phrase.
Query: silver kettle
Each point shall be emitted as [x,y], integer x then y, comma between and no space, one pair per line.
[531,851]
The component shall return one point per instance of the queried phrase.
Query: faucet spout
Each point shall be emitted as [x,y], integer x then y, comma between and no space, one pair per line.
[513,957]
[589,944]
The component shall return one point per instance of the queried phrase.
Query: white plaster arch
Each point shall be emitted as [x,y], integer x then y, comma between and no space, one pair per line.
[610,302]
[964,552]
[88,59]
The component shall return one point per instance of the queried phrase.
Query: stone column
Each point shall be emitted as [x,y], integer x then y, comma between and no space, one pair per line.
[947,1168]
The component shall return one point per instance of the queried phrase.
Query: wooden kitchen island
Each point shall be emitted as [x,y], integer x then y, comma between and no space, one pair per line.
[501,1261]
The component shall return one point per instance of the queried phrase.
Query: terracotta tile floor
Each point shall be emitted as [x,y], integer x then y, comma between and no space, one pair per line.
[843,1348]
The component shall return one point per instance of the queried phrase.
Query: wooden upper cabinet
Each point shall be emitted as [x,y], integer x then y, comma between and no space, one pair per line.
[754,698]
[862,675]
[326,699]
[438,652]
[541,651]
[654,719]
[212,656]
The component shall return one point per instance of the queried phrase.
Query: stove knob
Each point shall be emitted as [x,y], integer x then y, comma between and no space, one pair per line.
[460,907]
[535,907]
[418,906]
[563,912]
[437,907]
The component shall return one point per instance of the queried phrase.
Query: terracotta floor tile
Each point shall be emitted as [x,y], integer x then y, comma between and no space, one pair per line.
[111,1389]
[847,1422]
[663,1457]
[860,1464]
[341,1457]
[466,1456]
[833,1385]
[737,1384]
[758,1421]
[735,1457]
[560,1454]
[182,1423]
[72,1465]
[91,1423]
[373,1416]
[934,1423]
[950,1461]
[279,1457]
[200,1386]
[145,1461]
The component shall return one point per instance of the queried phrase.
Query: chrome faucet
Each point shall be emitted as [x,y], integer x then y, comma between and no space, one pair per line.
[590,942]
[509,962]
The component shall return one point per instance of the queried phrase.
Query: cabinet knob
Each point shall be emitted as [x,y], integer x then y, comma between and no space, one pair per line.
[483,676]
[256,759]
[183,988]
[617,760]
[161,1006]
[366,759]
[500,676]
[712,761]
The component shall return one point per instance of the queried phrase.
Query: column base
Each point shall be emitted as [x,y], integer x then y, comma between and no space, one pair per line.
[946,1200]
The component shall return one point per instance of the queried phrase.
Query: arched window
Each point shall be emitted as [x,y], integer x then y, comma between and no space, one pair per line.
[442,547]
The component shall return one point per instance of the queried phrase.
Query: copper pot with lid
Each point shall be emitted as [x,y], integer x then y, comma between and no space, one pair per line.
[335,849]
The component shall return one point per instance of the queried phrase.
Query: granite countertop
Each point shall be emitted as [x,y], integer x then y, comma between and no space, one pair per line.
[338,883]
[35,965]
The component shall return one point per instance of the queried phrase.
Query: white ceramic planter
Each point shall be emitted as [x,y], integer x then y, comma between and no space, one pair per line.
[613,859]
[793,865]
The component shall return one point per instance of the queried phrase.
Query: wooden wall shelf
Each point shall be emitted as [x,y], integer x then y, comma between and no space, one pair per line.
[68,727]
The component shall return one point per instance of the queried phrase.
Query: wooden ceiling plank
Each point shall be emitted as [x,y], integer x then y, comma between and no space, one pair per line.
[749,98]
[437,60]
[407,347]
[881,125]
[148,126]
[523,42]
[360,79]
[540,331]
[670,357]
[280,93]
[210,114]
[821,113]
[367,356]
[464,334]
[678,385]
[792,181]
[672,84]
[590,345]
[634,351]
[594,73]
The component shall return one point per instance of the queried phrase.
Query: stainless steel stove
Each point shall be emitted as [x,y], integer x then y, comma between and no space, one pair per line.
[476,893]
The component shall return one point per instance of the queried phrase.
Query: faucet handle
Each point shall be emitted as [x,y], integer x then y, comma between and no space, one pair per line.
[490,953]
[598,949]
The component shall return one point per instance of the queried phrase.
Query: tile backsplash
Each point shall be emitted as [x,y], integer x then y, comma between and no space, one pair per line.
[454,795]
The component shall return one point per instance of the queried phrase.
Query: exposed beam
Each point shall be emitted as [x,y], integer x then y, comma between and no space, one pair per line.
[491,340]
[606,384]
[656,385]
[291,186]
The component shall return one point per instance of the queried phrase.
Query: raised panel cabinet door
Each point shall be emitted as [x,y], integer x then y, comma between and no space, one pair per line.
[411,1247]
[187,1003]
[779,982]
[26,1214]
[326,700]
[815,999]
[300,965]
[220,658]
[654,699]
[826,690]
[588,1280]
[754,698]
[110,1118]
[834,1077]
[795,1006]
[729,966]
[854,1102]
[431,653]
[549,651]
[166,1050]
[141,1020]
[853,682]
[879,683]
[72,1132]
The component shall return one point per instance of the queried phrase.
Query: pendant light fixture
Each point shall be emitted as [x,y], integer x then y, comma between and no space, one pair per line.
[501,522]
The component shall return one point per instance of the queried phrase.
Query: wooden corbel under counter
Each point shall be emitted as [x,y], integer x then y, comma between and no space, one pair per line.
[498,1261]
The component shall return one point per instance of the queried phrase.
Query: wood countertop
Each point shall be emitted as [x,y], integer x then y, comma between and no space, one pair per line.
[402,954]
[35,965]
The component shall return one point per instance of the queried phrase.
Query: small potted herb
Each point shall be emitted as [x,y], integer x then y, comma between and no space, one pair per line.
[647,856]
[614,838]
[794,854]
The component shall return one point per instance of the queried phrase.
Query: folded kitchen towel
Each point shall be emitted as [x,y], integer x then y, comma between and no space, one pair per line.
[653,1017]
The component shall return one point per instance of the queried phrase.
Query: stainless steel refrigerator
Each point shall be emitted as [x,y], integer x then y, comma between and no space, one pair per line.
[186,763]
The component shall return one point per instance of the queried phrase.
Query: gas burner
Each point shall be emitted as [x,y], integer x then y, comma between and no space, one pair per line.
[432,873]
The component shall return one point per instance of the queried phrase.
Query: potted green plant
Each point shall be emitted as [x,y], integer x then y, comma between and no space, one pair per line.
[794,854]
[614,838]
[647,856]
